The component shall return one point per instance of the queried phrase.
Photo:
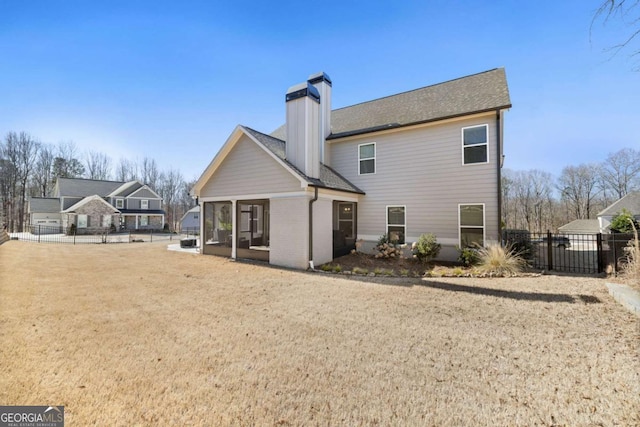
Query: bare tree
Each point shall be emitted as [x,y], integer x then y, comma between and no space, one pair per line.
[66,163]
[527,199]
[43,170]
[126,170]
[9,178]
[578,186]
[628,13]
[620,172]
[98,165]
[149,172]
[171,184]
[27,151]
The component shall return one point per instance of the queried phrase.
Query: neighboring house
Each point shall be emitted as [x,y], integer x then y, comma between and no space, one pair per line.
[581,226]
[630,202]
[423,161]
[95,205]
[44,213]
[190,221]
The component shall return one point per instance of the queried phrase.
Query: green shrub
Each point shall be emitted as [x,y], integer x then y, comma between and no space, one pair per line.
[468,256]
[426,248]
[337,268]
[358,270]
[624,222]
[326,267]
[496,259]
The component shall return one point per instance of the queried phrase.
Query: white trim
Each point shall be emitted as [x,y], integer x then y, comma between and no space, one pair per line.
[486,144]
[145,207]
[119,200]
[386,211]
[86,200]
[375,157]
[234,229]
[125,185]
[484,222]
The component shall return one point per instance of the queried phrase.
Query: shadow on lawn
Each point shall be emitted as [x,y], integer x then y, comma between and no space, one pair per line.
[478,290]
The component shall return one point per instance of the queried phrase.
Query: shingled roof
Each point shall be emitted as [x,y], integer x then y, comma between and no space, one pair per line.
[329,178]
[630,202]
[80,187]
[477,93]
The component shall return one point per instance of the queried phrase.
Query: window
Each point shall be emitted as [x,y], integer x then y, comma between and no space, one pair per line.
[396,224]
[144,220]
[367,158]
[144,204]
[83,221]
[119,203]
[471,225]
[474,144]
[106,221]
[345,219]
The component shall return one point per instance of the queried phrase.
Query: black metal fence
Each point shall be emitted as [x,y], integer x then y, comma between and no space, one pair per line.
[571,253]
[56,234]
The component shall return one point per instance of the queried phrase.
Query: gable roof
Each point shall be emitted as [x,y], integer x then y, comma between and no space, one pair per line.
[86,200]
[275,147]
[329,178]
[80,187]
[44,205]
[126,189]
[630,202]
[581,226]
[477,93]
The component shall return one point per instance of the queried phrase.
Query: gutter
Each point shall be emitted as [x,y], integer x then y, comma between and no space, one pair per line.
[499,170]
[311,202]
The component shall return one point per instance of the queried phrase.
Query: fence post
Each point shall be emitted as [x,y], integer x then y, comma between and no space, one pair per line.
[600,253]
[549,251]
[39,231]
[151,235]
[129,236]
[74,235]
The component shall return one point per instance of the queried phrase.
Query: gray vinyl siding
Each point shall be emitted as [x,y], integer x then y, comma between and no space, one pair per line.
[422,169]
[248,169]
[135,204]
[143,194]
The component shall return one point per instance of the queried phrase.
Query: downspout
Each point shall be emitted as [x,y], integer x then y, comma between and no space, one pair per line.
[499,167]
[311,202]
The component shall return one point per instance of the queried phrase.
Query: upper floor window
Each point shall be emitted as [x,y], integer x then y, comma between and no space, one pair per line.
[144,204]
[367,158]
[396,224]
[475,144]
[119,203]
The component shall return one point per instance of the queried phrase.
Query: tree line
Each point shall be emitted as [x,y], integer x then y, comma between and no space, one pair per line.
[536,201]
[29,168]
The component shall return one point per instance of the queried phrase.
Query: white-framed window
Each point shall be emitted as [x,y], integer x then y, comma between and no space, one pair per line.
[471,224]
[346,216]
[144,204]
[106,221]
[83,221]
[396,223]
[144,220]
[475,144]
[119,203]
[367,158]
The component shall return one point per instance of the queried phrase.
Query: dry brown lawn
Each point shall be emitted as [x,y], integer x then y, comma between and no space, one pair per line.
[133,334]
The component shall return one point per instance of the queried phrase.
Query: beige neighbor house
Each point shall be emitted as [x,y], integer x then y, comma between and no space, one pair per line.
[93,206]
[423,161]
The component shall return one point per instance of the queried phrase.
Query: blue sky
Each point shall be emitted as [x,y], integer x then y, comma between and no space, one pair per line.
[171,80]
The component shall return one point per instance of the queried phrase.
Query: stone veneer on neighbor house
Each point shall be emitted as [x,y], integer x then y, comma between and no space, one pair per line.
[95,216]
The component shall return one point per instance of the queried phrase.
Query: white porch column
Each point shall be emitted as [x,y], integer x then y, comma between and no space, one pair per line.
[137,221]
[234,228]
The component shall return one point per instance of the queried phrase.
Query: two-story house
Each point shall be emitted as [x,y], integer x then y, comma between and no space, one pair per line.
[89,205]
[423,161]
